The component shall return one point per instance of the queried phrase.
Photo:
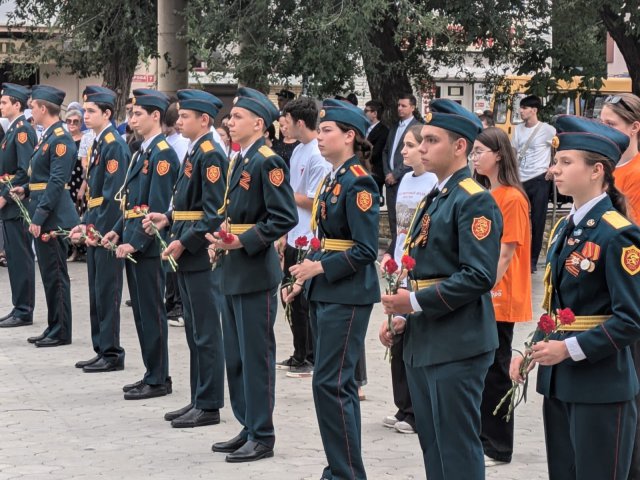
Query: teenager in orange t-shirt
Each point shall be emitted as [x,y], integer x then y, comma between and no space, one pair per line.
[496,168]
[622,112]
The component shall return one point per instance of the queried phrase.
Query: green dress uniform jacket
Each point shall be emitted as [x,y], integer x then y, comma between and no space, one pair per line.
[347,209]
[108,163]
[608,286]
[15,153]
[200,188]
[51,164]
[259,194]
[150,180]
[462,226]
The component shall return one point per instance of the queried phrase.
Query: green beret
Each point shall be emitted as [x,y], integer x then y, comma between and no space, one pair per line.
[454,117]
[20,92]
[200,101]
[580,133]
[344,112]
[258,103]
[97,94]
[146,97]
[48,94]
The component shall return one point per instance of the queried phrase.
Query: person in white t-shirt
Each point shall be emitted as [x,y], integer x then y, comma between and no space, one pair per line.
[414,186]
[307,169]
[532,142]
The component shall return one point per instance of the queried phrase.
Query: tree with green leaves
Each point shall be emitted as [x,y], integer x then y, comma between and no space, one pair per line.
[86,38]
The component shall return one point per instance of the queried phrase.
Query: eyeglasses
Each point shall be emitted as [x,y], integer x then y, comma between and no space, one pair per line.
[72,122]
[613,99]
[477,153]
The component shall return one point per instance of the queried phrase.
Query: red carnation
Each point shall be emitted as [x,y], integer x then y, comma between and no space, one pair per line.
[144,208]
[391,266]
[546,324]
[45,237]
[136,209]
[315,243]
[301,241]
[408,262]
[566,316]
[225,237]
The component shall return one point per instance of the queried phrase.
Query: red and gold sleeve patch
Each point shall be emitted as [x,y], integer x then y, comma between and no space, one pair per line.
[630,259]
[276,176]
[61,149]
[112,166]
[481,227]
[364,200]
[213,173]
[163,167]
[22,137]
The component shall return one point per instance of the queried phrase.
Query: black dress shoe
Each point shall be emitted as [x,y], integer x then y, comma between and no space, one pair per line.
[145,391]
[131,386]
[250,452]
[3,318]
[51,342]
[177,413]
[15,322]
[84,363]
[35,339]
[104,365]
[197,418]
[128,303]
[230,446]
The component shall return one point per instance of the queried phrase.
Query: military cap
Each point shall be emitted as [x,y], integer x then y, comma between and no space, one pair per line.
[454,117]
[344,112]
[200,101]
[96,94]
[258,103]
[146,97]
[20,92]
[580,133]
[284,93]
[48,94]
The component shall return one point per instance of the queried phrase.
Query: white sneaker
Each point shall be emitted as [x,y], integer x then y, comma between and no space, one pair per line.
[176,322]
[389,421]
[404,427]
[492,462]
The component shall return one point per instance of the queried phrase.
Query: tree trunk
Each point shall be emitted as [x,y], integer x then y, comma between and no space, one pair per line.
[629,45]
[118,74]
[385,76]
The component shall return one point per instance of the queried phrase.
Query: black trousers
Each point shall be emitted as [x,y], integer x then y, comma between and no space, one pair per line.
[391,196]
[496,433]
[400,384]
[300,327]
[634,472]
[17,244]
[537,190]
[172,298]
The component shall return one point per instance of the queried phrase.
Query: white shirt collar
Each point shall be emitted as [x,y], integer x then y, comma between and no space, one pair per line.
[98,136]
[580,213]
[444,182]
[146,143]
[405,122]
[191,144]
[15,120]
[243,151]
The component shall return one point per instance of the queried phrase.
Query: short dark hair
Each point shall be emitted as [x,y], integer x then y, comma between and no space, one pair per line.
[454,137]
[14,100]
[104,107]
[129,101]
[376,106]
[200,114]
[304,109]
[408,96]
[271,131]
[532,101]
[353,98]
[171,115]
[150,109]
[51,108]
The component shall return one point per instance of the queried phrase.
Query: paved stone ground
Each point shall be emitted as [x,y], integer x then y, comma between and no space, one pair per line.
[59,423]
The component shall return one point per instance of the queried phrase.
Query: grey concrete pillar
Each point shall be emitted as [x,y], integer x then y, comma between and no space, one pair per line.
[172,74]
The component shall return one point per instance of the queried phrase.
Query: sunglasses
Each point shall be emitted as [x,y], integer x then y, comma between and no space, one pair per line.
[72,122]
[613,99]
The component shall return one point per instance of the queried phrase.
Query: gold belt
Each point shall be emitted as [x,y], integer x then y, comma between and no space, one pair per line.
[36,187]
[583,323]
[187,215]
[94,202]
[128,214]
[420,284]
[337,245]
[240,228]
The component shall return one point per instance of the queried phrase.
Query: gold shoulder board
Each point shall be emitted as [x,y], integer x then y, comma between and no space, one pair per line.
[471,186]
[59,132]
[207,146]
[615,219]
[163,145]
[109,138]
[266,151]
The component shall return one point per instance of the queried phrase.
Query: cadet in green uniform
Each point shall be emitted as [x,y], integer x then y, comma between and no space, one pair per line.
[15,152]
[342,283]
[261,209]
[51,208]
[108,161]
[451,337]
[149,181]
[587,375]
[197,197]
